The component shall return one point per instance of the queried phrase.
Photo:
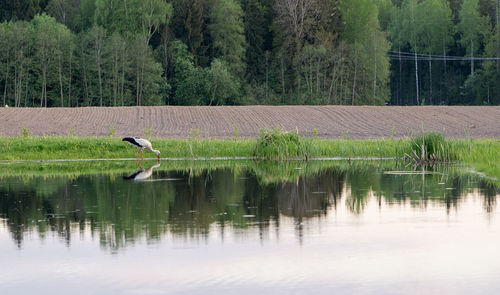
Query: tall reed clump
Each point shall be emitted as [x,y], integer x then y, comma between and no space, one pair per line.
[430,147]
[279,144]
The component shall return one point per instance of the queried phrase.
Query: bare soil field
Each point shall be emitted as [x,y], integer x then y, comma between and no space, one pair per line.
[225,121]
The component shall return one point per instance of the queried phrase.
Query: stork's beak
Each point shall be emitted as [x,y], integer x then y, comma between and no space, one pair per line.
[159,158]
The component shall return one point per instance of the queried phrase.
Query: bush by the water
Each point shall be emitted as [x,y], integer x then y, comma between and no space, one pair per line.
[430,147]
[279,144]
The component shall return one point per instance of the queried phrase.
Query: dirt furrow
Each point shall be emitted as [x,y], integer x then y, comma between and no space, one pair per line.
[220,122]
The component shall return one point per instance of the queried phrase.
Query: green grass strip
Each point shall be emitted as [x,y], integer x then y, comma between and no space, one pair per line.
[481,154]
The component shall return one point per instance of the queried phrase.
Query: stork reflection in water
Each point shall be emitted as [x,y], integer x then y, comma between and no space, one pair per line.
[141,173]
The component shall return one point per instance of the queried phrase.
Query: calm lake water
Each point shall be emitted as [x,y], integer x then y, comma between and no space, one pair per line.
[247,228]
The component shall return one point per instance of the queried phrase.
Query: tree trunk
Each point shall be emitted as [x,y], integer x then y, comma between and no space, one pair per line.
[26,93]
[415,51]
[122,82]
[471,57]
[267,76]
[115,76]
[137,84]
[444,75]
[375,66]
[142,81]
[400,73]
[355,72]
[5,84]
[44,71]
[85,84]
[416,77]
[341,95]
[282,81]
[309,79]
[430,80]
[60,82]
[318,79]
[15,85]
[69,78]
[19,82]
[98,60]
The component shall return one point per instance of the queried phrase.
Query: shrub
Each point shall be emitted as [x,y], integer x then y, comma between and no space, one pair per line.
[26,132]
[276,143]
[112,131]
[429,147]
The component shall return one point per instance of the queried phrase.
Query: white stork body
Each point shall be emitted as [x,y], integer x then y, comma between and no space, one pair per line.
[141,144]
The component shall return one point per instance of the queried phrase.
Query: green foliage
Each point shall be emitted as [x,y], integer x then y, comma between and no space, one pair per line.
[25,132]
[224,86]
[430,147]
[111,132]
[367,47]
[236,131]
[148,132]
[110,53]
[279,144]
[188,24]
[471,26]
[18,10]
[227,31]
[190,83]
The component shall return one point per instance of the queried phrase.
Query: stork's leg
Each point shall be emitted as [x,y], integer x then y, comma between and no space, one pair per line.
[137,157]
[142,158]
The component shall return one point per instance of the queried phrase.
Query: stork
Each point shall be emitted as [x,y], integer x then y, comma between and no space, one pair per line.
[141,144]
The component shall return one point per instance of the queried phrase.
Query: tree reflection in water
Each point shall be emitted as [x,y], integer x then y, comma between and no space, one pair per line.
[189,203]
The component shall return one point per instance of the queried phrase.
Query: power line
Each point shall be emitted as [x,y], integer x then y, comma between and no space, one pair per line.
[410,56]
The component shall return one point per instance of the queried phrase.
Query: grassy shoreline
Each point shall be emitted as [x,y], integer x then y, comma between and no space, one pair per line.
[74,147]
[481,154]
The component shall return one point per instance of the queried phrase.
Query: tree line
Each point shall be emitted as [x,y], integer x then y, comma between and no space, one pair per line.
[224,52]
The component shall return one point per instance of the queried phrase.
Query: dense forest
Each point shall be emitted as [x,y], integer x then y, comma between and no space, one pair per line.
[226,52]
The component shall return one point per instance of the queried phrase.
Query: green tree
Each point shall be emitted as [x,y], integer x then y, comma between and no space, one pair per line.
[138,20]
[6,56]
[385,10]
[45,31]
[190,84]
[22,45]
[257,21]
[84,18]
[224,86]
[132,16]
[18,9]
[435,31]
[63,59]
[226,29]
[64,11]
[116,47]
[472,28]
[368,46]
[296,22]
[97,37]
[404,31]
[146,70]
[491,69]
[189,25]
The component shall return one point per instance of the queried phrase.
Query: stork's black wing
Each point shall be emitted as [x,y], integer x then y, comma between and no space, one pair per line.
[132,141]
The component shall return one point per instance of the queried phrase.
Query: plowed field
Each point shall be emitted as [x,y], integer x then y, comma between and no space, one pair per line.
[225,121]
